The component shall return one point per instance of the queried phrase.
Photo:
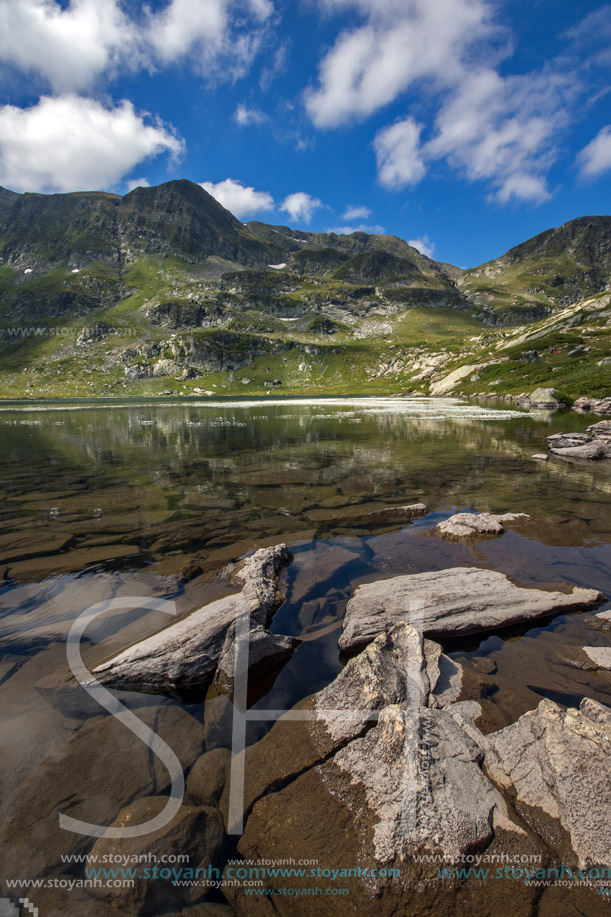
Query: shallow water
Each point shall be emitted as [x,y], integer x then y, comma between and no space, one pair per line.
[156,500]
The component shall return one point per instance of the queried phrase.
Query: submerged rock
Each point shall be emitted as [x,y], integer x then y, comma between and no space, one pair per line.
[465,525]
[197,648]
[194,833]
[558,760]
[457,601]
[207,778]
[397,513]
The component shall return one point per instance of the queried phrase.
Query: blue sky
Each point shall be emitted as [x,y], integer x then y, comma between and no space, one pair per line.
[465,126]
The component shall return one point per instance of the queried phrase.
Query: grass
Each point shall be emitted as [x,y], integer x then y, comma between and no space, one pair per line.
[301,354]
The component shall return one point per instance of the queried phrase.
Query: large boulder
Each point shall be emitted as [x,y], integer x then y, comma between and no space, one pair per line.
[383,777]
[453,602]
[386,767]
[201,647]
[544,399]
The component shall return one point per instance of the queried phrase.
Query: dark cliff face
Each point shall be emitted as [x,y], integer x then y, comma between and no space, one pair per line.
[181,218]
[558,267]
[178,218]
[586,239]
[54,229]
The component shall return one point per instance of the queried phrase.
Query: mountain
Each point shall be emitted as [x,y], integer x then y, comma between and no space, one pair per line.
[164,290]
[558,267]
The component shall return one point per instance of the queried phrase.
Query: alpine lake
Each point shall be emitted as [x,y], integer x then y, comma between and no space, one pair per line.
[160,499]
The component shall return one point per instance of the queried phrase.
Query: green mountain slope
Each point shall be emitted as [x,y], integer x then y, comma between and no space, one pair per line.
[556,268]
[164,290]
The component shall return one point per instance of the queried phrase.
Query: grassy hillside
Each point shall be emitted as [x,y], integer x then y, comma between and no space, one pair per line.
[165,291]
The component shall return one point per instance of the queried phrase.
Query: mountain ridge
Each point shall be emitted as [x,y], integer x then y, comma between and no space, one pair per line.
[164,283]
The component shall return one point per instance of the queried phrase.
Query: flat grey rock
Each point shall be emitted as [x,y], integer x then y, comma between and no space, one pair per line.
[602,428]
[466,525]
[397,513]
[201,646]
[558,760]
[591,446]
[600,655]
[590,452]
[460,600]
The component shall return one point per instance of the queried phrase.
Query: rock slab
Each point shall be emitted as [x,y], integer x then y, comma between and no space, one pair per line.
[201,647]
[453,602]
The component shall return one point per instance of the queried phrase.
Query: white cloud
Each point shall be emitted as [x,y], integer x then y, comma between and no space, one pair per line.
[362,227]
[245,116]
[398,154]
[238,198]
[182,24]
[400,43]
[300,206]
[503,129]
[69,143]
[595,158]
[70,45]
[356,213]
[222,37]
[424,246]
[523,187]
[137,183]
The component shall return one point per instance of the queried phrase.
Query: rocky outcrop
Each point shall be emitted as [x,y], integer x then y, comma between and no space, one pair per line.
[457,601]
[384,730]
[558,760]
[591,446]
[468,525]
[177,314]
[595,405]
[387,763]
[201,647]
